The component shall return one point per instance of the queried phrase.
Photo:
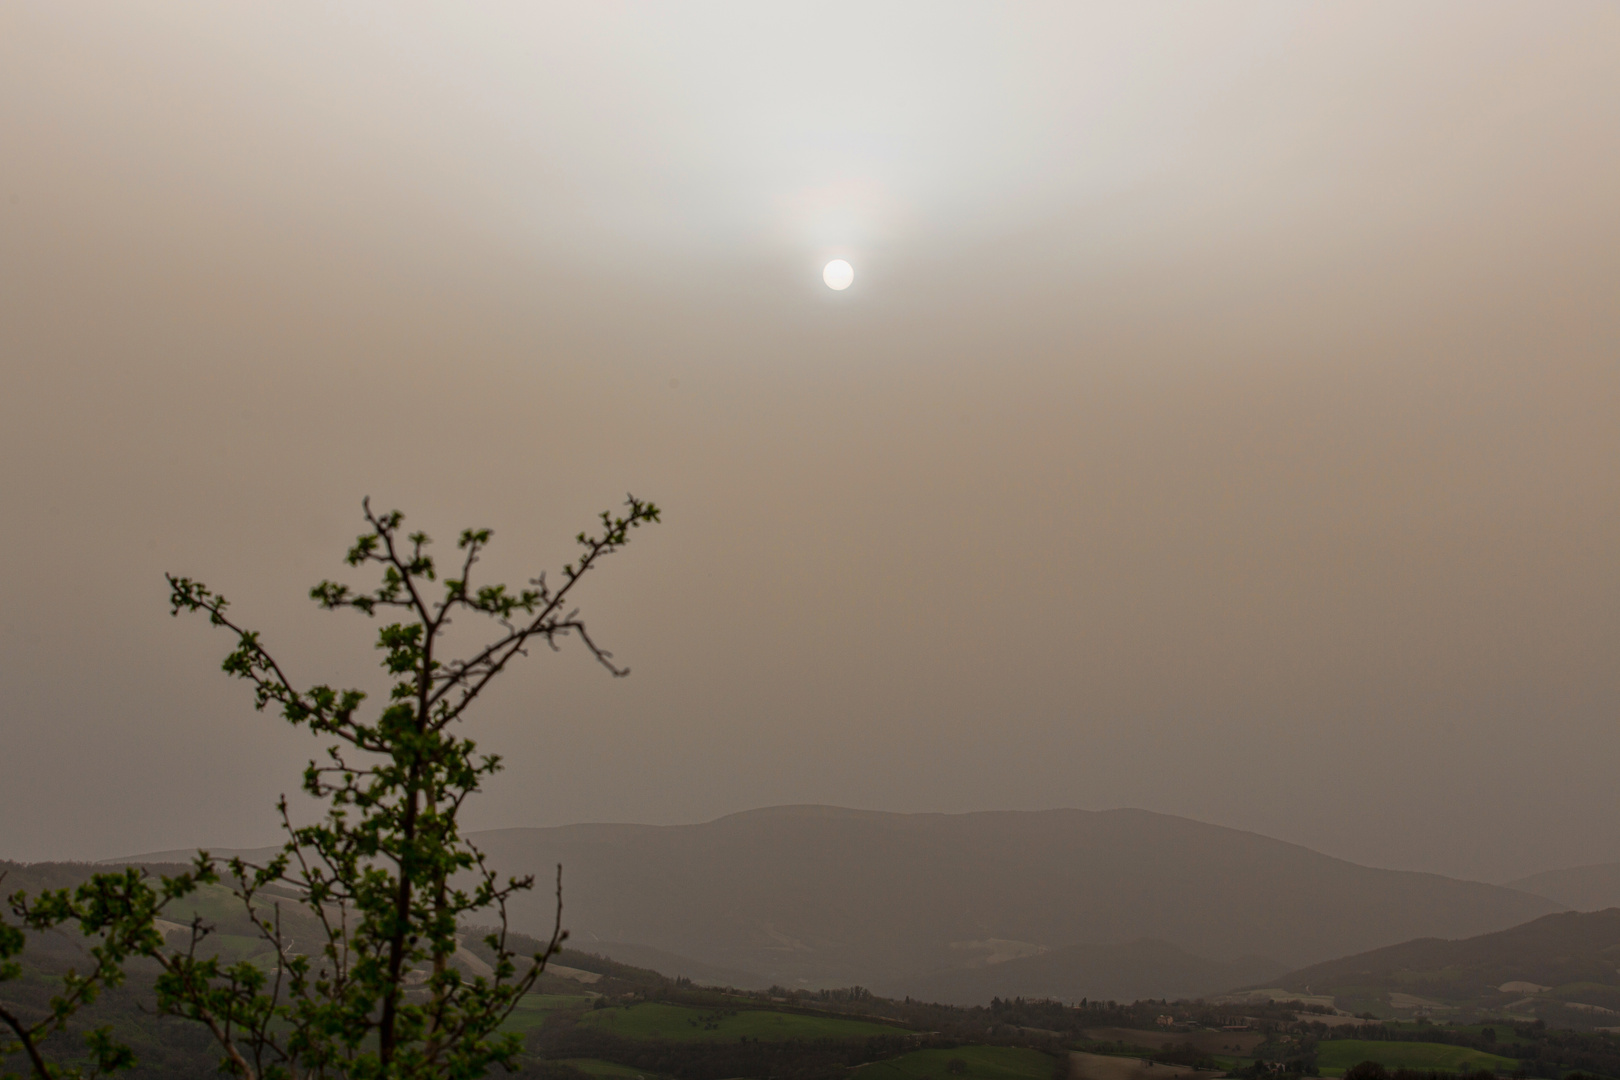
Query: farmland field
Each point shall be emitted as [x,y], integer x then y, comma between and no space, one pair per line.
[655,1020]
[1336,1055]
[532,1009]
[606,1069]
[981,1063]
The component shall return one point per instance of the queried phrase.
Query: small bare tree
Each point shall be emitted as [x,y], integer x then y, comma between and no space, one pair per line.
[385,880]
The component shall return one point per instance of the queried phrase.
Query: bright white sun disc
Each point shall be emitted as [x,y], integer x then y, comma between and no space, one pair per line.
[838,274]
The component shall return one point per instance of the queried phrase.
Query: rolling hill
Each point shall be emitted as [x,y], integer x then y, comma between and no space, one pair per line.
[1129,972]
[821,896]
[1579,888]
[1564,968]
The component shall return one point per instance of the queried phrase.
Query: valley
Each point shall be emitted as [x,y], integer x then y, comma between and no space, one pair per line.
[808,943]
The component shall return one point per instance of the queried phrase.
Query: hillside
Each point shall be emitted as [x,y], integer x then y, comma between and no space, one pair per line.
[645,956]
[822,896]
[1561,968]
[1139,969]
[1579,888]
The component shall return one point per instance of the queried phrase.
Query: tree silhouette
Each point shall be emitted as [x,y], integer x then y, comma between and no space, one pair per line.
[384,881]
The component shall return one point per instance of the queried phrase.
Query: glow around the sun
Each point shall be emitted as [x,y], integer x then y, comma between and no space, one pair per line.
[838,275]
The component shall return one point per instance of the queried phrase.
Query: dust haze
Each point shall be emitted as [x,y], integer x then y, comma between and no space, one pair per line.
[1222,421]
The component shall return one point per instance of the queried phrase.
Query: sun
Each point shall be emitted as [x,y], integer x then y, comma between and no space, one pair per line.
[838,275]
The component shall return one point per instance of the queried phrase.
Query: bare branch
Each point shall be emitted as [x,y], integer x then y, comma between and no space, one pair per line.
[25,1036]
[389,845]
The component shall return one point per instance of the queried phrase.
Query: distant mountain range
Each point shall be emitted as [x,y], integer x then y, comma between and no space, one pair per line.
[1563,968]
[1580,888]
[959,907]
[813,895]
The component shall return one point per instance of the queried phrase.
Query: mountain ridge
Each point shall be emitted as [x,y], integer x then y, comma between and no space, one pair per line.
[829,896]
[1563,967]
[1593,887]
[816,896]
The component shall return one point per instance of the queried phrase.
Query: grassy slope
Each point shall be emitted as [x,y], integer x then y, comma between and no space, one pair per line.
[1337,1055]
[983,1063]
[677,1023]
[597,1067]
[533,1009]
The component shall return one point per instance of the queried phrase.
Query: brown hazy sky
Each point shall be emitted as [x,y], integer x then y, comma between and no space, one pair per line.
[1225,419]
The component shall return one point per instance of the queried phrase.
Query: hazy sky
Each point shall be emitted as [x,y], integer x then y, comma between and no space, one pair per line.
[1224,420]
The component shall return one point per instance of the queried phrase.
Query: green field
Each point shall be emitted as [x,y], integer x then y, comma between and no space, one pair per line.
[982,1062]
[609,1069]
[231,948]
[655,1020]
[1333,1056]
[532,1009]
